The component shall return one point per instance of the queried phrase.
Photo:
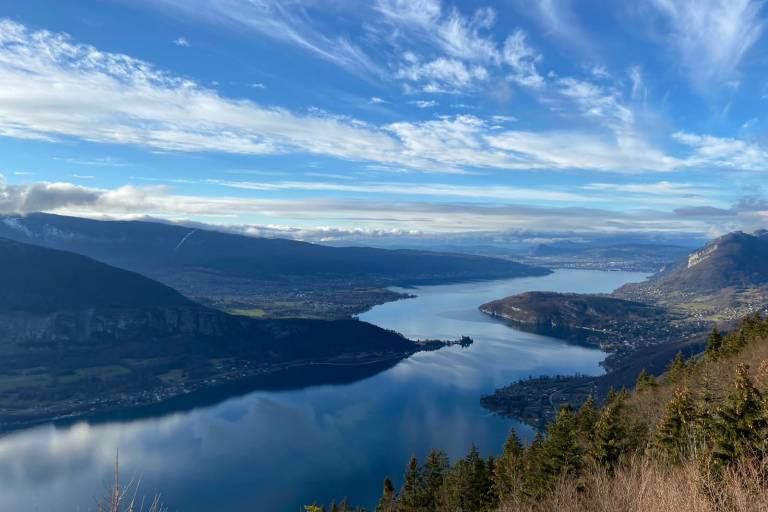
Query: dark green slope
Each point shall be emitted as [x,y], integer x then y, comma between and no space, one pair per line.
[39,280]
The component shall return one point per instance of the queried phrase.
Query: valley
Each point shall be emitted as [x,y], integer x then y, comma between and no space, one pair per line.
[259,277]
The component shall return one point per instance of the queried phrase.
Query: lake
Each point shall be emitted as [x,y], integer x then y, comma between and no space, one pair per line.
[275,450]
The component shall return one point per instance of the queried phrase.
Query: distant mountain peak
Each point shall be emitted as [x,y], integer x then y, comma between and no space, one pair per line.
[734,260]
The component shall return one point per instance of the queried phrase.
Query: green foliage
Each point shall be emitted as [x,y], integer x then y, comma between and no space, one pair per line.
[741,427]
[675,435]
[435,470]
[509,470]
[676,370]
[714,343]
[469,485]
[645,381]
[561,452]
[586,418]
[388,500]
[412,493]
[615,433]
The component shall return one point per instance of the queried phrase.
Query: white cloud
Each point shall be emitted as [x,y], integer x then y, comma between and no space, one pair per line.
[82,92]
[711,151]
[454,34]
[442,75]
[487,192]
[711,36]
[619,152]
[522,59]
[341,215]
[595,101]
[424,103]
[664,188]
[258,85]
[287,21]
[376,100]
[181,41]
[79,91]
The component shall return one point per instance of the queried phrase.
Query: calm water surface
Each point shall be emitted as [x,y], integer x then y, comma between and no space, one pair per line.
[274,450]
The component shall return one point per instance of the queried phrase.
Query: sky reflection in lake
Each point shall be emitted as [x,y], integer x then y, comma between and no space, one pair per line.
[274,450]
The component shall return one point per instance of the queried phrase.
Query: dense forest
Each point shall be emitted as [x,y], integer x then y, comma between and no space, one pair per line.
[696,439]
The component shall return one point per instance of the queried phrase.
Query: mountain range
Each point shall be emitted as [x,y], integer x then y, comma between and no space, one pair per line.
[237,272]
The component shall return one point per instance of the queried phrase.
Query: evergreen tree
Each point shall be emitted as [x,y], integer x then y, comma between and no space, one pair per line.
[468,486]
[561,452]
[388,500]
[614,436]
[676,369]
[508,473]
[586,419]
[645,381]
[534,478]
[675,435]
[714,343]
[742,427]
[411,498]
[435,470]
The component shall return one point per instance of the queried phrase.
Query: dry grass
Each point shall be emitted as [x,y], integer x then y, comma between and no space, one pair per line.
[646,486]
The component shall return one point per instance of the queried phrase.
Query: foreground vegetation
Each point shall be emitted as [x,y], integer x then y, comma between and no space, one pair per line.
[695,440]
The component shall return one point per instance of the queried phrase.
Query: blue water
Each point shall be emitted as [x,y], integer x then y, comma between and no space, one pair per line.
[275,450]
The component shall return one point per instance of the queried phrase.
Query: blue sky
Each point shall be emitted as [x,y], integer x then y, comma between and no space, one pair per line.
[338,119]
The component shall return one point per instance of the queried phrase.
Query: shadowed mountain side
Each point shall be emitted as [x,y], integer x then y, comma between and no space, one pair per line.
[149,246]
[78,335]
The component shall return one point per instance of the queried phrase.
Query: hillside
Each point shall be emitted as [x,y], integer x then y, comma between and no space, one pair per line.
[579,313]
[260,276]
[37,280]
[78,335]
[723,281]
[616,325]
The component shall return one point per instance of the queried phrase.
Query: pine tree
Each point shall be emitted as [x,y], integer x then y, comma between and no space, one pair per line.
[508,473]
[614,435]
[675,433]
[534,478]
[714,343]
[742,427]
[562,454]
[411,498]
[435,471]
[480,481]
[586,418]
[388,500]
[676,369]
[645,381]
[469,486]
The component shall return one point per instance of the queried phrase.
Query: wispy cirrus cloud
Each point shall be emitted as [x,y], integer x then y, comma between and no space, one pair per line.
[112,98]
[287,21]
[711,36]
